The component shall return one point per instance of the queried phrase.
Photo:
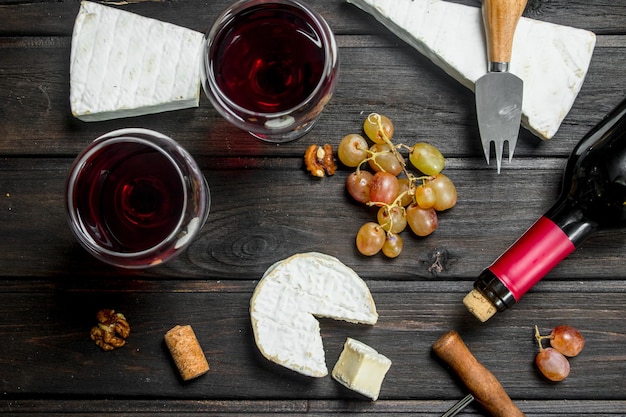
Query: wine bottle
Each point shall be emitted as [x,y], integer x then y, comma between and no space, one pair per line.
[592,198]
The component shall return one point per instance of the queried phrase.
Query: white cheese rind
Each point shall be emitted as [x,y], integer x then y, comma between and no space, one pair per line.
[123,64]
[551,59]
[361,368]
[289,297]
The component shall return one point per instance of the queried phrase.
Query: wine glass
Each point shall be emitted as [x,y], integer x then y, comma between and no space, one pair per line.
[135,198]
[269,67]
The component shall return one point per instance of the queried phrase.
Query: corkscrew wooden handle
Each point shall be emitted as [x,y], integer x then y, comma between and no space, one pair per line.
[483,385]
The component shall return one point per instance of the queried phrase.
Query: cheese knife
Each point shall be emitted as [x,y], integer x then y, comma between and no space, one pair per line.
[499,92]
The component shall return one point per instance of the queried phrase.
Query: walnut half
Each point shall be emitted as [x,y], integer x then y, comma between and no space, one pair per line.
[111,330]
[319,160]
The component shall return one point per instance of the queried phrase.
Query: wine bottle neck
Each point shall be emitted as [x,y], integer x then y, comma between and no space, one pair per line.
[569,217]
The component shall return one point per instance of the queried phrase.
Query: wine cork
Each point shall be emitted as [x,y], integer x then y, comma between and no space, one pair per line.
[479,305]
[186,352]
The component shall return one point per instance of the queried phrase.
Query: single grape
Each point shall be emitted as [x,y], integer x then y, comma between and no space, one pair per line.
[352,150]
[392,218]
[567,340]
[372,127]
[425,196]
[552,364]
[383,158]
[384,188]
[421,221]
[370,239]
[427,158]
[405,191]
[445,192]
[358,185]
[393,245]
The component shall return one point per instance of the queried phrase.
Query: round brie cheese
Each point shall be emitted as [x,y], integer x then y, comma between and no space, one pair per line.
[289,297]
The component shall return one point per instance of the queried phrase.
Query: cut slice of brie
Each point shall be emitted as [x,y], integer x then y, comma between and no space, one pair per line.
[288,298]
[551,59]
[123,64]
[361,368]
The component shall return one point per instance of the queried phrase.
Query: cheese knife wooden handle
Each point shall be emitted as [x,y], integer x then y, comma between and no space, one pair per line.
[500,18]
[483,385]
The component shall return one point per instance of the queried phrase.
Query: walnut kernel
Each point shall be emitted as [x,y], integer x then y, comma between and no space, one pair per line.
[111,330]
[319,160]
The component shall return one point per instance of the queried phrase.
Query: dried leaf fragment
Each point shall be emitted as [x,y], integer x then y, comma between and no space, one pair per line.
[111,330]
[319,160]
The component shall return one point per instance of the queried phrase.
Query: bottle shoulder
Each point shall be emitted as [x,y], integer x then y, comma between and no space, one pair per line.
[594,182]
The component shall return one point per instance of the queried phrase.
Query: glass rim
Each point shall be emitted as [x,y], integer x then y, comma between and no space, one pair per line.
[321,27]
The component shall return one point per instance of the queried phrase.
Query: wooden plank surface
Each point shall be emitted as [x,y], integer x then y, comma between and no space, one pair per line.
[265,207]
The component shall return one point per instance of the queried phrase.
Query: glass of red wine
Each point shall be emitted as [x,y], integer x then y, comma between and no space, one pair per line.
[135,198]
[269,67]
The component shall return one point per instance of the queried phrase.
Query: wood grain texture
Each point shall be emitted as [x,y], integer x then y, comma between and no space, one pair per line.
[265,207]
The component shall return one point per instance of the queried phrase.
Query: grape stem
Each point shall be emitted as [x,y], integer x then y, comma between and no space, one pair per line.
[540,338]
[388,208]
[372,157]
[375,117]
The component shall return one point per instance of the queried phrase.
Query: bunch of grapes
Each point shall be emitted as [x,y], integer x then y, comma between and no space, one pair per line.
[565,341]
[404,198]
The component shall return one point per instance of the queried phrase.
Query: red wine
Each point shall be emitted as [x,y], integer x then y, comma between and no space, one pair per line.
[130,195]
[270,58]
[593,198]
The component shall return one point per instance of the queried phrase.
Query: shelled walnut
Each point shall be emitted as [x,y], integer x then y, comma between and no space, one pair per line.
[111,330]
[319,160]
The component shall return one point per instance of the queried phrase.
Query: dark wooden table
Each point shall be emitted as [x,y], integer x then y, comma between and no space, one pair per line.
[266,207]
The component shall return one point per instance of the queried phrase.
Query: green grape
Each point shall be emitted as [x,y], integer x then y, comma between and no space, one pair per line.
[426,158]
[370,239]
[392,246]
[384,188]
[445,192]
[392,218]
[358,185]
[352,150]
[425,196]
[383,158]
[421,221]
[372,128]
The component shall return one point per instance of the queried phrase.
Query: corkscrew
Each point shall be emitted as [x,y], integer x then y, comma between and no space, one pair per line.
[482,384]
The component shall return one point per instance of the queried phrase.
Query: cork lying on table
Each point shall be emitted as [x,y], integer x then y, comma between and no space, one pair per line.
[186,352]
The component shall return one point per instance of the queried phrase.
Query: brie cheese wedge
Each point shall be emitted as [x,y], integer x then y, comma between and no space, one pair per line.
[551,59]
[289,297]
[361,368]
[123,64]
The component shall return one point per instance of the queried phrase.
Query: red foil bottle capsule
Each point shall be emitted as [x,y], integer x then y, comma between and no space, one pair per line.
[593,198]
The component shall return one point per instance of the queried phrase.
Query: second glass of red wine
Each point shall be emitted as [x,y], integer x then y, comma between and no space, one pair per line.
[135,198]
[269,67]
